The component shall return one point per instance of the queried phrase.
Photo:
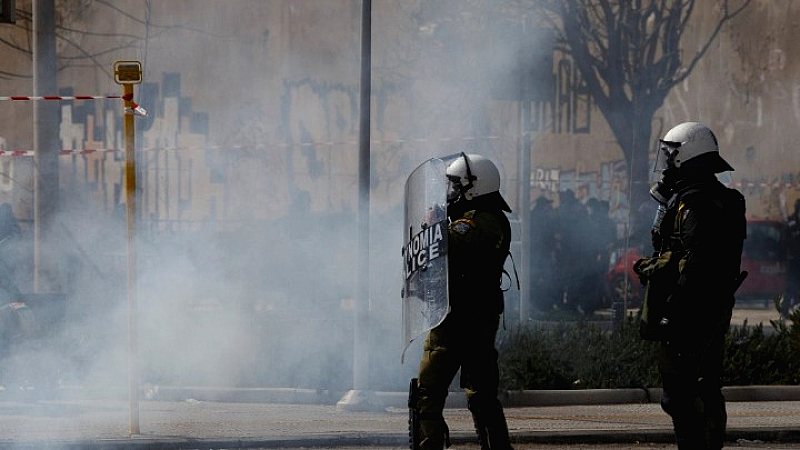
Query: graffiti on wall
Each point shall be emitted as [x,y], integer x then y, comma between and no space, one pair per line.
[608,184]
[770,198]
[169,141]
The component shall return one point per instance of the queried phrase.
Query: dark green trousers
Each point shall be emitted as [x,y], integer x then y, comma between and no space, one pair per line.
[691,372]
[464,341]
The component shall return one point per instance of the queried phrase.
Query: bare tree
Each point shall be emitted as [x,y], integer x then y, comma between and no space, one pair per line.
[77,45]
[629,54]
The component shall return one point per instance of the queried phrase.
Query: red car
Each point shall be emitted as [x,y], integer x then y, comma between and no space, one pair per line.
[765,258]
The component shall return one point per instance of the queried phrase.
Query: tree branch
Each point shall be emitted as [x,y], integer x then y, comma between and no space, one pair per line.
[725,18]
[8,75]
[15,46]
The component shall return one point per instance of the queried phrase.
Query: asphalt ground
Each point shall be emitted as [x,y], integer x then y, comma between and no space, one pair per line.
[204,418]
[560,419]
[752,445]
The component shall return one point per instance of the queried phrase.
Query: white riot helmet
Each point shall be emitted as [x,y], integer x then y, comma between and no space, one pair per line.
[692,144]
[473,176]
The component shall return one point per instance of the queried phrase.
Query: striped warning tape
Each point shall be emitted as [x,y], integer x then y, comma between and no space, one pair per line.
[764,184]
[135,109]
[540,183]
[262,146]
[19,98]
[84,151]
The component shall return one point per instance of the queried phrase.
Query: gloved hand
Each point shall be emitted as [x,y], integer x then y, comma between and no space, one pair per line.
[655,237]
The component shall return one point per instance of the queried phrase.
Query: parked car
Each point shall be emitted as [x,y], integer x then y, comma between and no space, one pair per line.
[622,280]
[765,257]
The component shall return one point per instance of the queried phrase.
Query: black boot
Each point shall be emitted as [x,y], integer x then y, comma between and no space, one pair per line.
[490,423]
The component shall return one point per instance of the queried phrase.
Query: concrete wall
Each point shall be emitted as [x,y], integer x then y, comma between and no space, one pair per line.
[278,82]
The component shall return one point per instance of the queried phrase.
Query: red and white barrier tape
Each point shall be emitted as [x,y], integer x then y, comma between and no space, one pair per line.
[134,109]
[764,184]
[376,142]
[60,97]
[86,151]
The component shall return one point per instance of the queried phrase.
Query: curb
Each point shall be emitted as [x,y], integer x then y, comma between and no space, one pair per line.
[456,399]
[509,399]
[761,393]
[778,435]
[513,399]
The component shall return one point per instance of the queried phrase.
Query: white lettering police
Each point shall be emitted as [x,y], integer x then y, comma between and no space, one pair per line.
[424,247]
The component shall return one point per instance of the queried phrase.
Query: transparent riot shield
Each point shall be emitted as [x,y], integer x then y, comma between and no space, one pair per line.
[424,294]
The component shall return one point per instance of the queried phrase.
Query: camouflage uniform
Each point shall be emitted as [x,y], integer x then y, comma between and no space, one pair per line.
[705,225]
[478,243]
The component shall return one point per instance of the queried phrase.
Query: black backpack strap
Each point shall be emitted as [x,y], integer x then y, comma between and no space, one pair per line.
[505,272]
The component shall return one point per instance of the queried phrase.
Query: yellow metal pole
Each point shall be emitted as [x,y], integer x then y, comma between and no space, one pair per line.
[130,206]
[128,73]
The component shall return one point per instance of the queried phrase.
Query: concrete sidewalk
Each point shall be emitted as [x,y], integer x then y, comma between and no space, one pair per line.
[71,423]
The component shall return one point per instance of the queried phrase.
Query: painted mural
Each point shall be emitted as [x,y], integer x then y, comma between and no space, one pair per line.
[172,158]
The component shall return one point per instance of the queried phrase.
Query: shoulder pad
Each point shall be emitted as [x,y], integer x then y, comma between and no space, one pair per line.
[736,198]
[702,197]
[463,226]
[693,195]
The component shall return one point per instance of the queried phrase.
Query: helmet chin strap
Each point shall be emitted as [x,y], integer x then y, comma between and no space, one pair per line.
[459,205]
[470,177]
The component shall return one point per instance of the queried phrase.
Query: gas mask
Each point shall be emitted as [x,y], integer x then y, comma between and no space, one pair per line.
[454,189]
[665,163]
[664,188]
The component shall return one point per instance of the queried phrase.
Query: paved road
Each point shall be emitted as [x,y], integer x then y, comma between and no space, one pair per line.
[641,446]
[742,445]
[206,425]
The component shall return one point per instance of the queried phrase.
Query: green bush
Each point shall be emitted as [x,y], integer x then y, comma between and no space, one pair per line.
[589,355]
[754,356]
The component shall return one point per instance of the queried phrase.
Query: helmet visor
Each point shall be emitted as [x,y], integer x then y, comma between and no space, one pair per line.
[666,154]
[453,188]
[459,183]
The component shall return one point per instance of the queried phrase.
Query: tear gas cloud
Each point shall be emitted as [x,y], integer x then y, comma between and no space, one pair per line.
[247,240]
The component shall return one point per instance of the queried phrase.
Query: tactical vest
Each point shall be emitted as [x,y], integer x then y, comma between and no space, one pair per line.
[724,205]
[726,209]
[476,263]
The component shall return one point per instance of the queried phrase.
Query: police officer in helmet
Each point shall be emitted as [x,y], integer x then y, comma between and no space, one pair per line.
[479,236]
[704,226]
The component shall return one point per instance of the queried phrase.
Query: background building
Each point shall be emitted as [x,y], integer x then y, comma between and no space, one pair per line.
[248,159]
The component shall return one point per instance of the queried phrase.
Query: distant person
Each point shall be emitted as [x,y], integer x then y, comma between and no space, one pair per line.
[543,254]
[479,237]
[601,238]
[793,273]
[572,257]
[9,292]
[702,232]
[9,230]
[9,227]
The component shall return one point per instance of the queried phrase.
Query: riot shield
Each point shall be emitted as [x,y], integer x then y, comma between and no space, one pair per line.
[424,294]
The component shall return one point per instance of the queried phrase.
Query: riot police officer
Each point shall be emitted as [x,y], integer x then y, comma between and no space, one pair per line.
[479,236]
[704,227]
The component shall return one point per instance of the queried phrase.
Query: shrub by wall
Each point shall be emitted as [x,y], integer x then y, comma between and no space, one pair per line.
[590,355]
